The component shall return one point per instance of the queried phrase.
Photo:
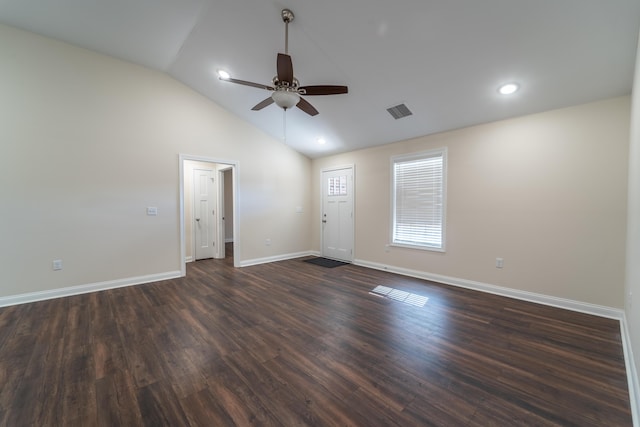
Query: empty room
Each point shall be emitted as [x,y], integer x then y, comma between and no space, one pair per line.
[234,213]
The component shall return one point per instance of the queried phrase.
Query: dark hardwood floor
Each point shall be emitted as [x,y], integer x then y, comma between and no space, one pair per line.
[291,344]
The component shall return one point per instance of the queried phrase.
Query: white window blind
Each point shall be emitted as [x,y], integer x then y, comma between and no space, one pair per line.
[419,200]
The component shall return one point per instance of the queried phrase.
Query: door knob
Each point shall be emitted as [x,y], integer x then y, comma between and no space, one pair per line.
[197,219]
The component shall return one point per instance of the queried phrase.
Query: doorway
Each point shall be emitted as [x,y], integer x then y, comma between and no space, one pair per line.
[208,194]
[337,219]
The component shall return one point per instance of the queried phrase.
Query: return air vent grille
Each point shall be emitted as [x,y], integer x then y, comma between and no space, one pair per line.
[399,111]
[398,295]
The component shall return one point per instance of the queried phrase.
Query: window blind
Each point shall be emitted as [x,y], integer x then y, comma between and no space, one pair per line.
[418,215]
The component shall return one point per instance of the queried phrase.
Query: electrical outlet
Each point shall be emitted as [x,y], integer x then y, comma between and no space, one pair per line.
[499,262]
[267,242]
[56,264]
[152,211]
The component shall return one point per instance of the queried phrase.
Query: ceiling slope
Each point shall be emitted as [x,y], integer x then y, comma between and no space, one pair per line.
[444,59]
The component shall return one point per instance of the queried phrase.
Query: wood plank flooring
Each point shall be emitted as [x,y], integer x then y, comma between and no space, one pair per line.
[294,344]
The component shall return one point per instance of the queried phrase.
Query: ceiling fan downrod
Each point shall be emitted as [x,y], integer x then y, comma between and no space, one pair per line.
[287,16]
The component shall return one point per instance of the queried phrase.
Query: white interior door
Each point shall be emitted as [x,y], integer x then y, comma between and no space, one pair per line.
[204,201]
[337,213]
[220,225]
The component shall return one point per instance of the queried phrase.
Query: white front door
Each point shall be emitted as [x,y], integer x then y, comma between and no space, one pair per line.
[204,199]
[337,213]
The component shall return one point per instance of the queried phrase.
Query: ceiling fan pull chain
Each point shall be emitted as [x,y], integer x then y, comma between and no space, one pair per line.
[284,125]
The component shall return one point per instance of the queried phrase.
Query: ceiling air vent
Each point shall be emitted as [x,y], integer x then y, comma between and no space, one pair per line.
[399,111]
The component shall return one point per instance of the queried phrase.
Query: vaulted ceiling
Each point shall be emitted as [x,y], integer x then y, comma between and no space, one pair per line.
[443,59]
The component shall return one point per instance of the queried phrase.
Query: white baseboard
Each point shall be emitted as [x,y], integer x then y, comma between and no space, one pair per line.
[596,310]
[583,307]
[632,373]
[83,289]
[228,240]
[284,257]
[188,259]
[608,312]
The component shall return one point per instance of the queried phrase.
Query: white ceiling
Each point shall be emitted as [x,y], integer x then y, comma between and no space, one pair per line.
[443,58]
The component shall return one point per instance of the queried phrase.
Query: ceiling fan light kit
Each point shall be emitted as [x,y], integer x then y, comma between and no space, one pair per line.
[285,99]
[285,87]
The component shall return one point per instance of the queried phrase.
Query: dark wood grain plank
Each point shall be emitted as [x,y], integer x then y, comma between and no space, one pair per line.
[294,344]
[159,406]
[117,401]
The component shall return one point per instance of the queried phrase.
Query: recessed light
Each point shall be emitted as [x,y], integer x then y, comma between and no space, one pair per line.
[508,88]
[223,75]
[322,141]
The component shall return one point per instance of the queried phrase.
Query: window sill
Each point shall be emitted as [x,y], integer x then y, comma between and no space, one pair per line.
[419,247]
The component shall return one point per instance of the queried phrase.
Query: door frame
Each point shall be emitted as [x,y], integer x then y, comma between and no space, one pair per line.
[220,207]
[235,166]
[351,166]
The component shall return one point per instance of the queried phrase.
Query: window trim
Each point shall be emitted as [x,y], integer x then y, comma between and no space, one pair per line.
[414,156]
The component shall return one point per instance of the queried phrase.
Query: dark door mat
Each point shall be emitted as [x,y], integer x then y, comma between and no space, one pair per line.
[326,262]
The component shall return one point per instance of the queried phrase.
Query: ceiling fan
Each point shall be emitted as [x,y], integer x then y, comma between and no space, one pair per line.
[285,87]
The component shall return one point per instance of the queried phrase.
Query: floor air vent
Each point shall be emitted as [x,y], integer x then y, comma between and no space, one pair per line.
[398,295]
[399,111]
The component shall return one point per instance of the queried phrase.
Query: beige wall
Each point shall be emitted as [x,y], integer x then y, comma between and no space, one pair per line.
[87,142]
[632,287]
[546,192]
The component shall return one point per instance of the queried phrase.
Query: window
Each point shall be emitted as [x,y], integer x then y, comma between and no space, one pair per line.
[337,186]
[418,200]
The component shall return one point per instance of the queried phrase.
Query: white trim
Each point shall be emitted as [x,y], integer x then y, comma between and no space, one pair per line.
[188,259]
[632,373]
[228,240]
[235,166]
[276,258]
[83,289]
[633,380]
[602,311]
[582,307]
[337,168]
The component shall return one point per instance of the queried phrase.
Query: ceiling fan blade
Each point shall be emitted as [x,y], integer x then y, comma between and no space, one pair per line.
[246,83]
[285,68]
[263,104]
[306,107]
[324,90]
